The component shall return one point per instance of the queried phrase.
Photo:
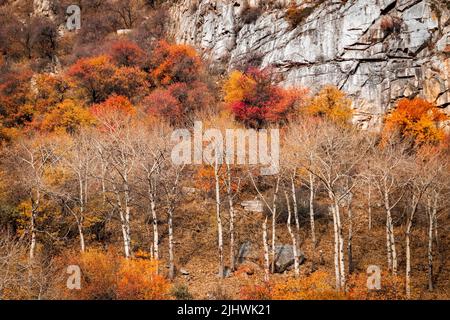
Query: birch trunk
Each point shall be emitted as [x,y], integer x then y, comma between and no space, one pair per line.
[219,219]
[430,251]
[341,248]
[123,222]
[415,201]
[294,202]
[390,238]
[152,198]
[266,251]
[171,254]
[369,208]
[336,250]
[293,238]
[311,210]
[274,222]
[34,207]
[231,205]
[349,241]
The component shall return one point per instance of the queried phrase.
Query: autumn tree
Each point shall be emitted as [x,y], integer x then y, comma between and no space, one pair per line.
[172,63]
[416,120]
[178,103]
[256,101]
[332,104]
[127,54]
[98,77]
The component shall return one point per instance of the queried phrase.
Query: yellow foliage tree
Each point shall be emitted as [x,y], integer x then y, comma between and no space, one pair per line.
[67,115]
[238,86]
[332,104]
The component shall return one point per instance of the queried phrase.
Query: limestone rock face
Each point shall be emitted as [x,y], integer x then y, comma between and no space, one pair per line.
[376,50]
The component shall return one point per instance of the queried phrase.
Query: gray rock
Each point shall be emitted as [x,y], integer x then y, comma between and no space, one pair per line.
[247,252]
[340,43]
[284,257]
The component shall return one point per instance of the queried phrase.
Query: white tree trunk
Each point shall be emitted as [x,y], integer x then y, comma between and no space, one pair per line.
[231,205]
[390,238]
[171,254]
[336,249]
[266,251]
[219,219]
[274,221]
[311,210]
[81,234]
[408,264]
[294,202]
[430,251]
[369,207]
[350,240]
[152,197]
[293,238]
[341,248]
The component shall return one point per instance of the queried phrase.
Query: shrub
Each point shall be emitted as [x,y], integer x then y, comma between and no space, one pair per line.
[250,14]
[256,292]
[317,286]
[390,24]
[181,292]
[106,275]
[295,15]
[138,280]
[392,288]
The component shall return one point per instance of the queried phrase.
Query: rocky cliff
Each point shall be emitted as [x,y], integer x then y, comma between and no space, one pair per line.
[376,50]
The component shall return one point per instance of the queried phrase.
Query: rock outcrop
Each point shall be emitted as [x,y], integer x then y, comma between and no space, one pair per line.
[376,50]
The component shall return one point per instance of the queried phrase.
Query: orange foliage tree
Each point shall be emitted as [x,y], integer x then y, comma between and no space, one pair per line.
[256,101]
[416,120]
[113,112]
[127,54]
[106,275]
[331,104]
[50,90]
[173,63]
[68,116]
[15,91]
[98,77]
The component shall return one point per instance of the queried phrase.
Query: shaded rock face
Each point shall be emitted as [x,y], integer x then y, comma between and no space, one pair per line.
[378,51]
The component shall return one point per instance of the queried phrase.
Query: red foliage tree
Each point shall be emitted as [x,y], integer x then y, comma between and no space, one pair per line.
[113,112]
[127,53]
[256,101]
[179,101]
[94,76]
[174,63]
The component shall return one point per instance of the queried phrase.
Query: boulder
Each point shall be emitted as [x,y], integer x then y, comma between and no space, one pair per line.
[284,257]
